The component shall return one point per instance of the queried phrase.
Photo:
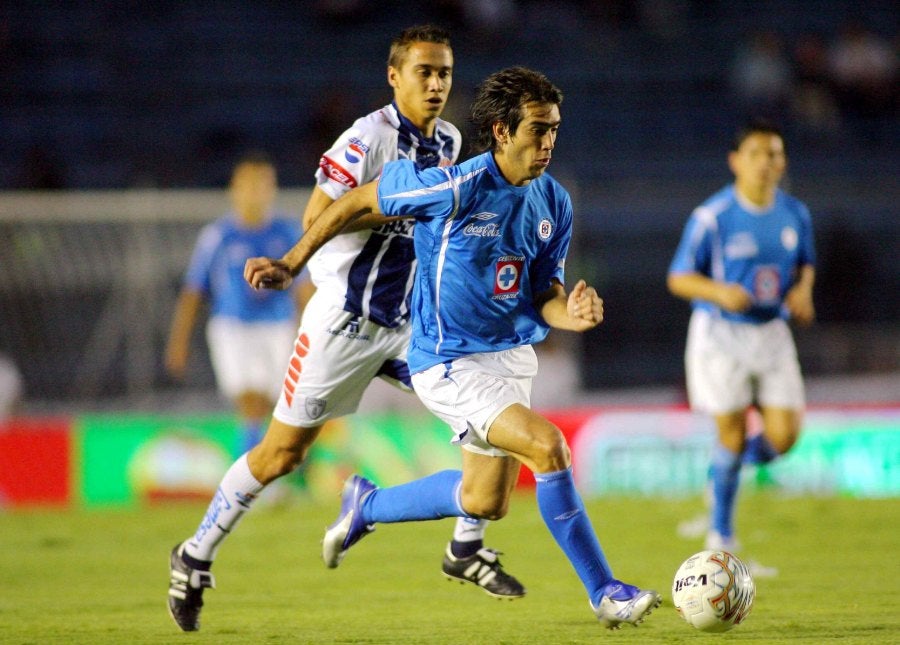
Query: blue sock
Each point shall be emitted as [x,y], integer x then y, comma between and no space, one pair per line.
[758,451]
[251,433]
[564,514]
[428,498]
[725,472]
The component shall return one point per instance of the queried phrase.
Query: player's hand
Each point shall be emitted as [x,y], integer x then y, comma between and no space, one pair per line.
[799,303]
[584,307]
[734,298]
[267,273]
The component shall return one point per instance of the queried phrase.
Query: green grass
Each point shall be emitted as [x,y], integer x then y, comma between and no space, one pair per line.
[100,577]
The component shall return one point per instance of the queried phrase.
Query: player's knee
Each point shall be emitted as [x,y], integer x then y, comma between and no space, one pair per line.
[551,453]
[486,509]
[782,443]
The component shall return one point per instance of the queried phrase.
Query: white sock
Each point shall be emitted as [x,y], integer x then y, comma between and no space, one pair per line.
[236,492]
[469,529]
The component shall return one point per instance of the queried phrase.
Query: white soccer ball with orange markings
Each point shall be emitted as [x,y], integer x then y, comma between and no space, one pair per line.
[713,591]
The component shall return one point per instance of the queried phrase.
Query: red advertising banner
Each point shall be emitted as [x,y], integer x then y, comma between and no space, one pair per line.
[35,462]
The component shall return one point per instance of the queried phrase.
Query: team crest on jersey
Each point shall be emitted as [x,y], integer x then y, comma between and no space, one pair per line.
[545,229]
[355,151]
[315,407]
[766,285]
[335,172]
[508,277]
[789,238]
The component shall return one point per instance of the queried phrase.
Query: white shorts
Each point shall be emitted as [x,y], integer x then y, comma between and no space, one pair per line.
[730,365]
[336,355]
[471,392]
[248,357]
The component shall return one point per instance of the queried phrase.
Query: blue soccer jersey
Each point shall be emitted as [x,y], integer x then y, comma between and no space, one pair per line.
[729,240]
[485,249]
[217,268]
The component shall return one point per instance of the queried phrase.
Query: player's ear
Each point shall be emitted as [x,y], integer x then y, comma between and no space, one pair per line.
[392,73]
[501,132]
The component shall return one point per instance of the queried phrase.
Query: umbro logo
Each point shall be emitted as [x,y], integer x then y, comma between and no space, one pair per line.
[567,515]
[484,216]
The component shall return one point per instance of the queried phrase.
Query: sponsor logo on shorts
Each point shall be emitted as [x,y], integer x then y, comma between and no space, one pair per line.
[315,407]
[350,330]
[335,172]
[508,276]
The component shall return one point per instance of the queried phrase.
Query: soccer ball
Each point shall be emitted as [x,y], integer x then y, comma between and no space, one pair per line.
[713,591]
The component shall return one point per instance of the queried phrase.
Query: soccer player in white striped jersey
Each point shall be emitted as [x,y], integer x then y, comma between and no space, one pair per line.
[356,326]
[746,262]
[491,237]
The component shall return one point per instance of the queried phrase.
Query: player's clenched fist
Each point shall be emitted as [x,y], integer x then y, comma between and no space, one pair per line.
[267,273]
[585,306]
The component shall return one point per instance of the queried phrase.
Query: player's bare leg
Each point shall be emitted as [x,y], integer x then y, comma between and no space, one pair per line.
[485,490]
[281,450]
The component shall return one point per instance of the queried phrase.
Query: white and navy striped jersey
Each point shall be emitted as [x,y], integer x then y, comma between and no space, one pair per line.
[370,273]
[729,240]
[485,249]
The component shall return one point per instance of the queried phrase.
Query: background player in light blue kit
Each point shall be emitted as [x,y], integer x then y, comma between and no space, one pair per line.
[248,333]
[746,262]
[491,238]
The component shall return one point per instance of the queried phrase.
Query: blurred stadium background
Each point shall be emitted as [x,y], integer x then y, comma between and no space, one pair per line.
[121,121]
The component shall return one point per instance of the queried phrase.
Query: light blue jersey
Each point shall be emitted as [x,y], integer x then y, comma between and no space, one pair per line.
[729,240]
[217,268]
[485,249]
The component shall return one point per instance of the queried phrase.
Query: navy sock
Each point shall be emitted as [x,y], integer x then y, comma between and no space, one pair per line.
[428,498]
[563,512]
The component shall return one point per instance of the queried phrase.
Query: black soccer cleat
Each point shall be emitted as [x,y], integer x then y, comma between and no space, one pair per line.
[484,570]
[186,587]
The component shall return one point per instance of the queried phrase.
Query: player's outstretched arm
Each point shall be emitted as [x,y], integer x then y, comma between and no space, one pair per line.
[580,310]
[269,273]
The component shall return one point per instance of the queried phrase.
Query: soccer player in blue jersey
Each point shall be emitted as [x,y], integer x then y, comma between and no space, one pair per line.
[356,327]
[248,333]
[746,262]
[491,238]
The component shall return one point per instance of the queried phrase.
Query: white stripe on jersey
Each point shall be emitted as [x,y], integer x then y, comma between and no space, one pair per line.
[442,255]
[448,185]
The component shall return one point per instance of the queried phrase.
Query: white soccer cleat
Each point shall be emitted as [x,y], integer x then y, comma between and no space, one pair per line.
[622,603]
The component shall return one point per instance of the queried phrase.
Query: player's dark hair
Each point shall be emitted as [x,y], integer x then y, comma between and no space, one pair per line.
[502,97]
[415,34]
[755,126]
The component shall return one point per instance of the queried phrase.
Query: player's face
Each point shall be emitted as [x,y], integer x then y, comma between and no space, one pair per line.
[252,190]
[759,163]
[422,83]
[525,155]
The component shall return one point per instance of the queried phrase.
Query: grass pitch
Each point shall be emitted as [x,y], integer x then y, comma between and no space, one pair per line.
[100,577]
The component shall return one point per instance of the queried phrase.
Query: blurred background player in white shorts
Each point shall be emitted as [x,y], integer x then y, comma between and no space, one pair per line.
[356,326]
[248,332]
[746,261]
